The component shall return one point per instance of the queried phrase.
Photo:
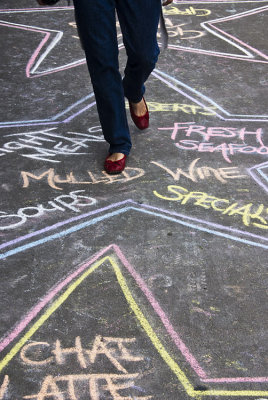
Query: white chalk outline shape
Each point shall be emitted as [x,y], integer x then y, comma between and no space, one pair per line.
[38,56]
[204,101]
[172,82]
[243,47]
[259,169]
[96,216]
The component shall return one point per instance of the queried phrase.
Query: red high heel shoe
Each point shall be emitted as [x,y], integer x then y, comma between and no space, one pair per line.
[114,167]
[141,122]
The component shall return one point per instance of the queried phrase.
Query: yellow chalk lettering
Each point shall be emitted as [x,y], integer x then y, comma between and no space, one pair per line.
[213,204]
[208,111]
[187,108]
[172,189]
[200,12]
[231,207]
[256,215]
[193,195]
[205,201]
[244,211]
[260,225]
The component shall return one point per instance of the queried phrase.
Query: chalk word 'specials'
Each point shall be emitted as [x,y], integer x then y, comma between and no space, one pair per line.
[252,215]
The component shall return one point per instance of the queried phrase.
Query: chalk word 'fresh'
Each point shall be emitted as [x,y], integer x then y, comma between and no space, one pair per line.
[53,179]
[252,215]
[227,149]
[71,201]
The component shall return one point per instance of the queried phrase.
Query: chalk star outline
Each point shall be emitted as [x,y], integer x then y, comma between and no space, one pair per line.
[250,52]
[177,85]
[229,393]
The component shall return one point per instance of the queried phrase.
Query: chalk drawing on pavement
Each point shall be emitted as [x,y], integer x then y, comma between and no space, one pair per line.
[93,217]
[260,174]
[120,266]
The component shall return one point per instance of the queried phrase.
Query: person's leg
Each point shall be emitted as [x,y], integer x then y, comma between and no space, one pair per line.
[139,22]
[97,30]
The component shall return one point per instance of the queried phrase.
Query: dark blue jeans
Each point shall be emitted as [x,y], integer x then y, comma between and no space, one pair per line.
[96,22]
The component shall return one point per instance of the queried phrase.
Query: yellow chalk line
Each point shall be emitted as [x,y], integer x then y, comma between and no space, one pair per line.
[164,354]
[150,332]
[48,313]
[144,323]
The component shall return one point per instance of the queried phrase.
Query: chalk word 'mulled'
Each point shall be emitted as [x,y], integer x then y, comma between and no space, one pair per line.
[47,144]
[252,215]
[53,179]
[195,174]
[72,201]
[206,133]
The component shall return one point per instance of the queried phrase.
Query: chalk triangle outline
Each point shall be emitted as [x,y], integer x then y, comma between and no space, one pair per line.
[111,254]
